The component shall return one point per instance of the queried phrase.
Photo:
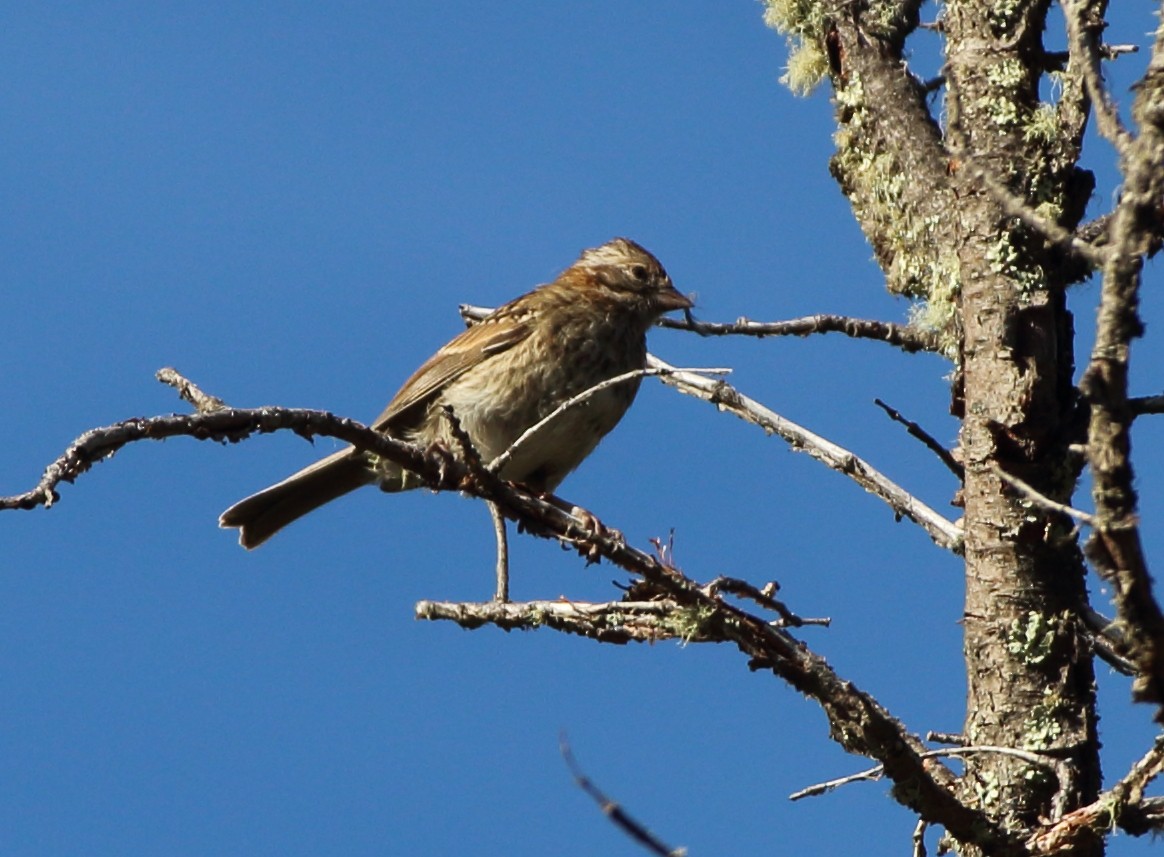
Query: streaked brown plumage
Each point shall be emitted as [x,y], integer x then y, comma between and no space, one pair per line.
[502,376]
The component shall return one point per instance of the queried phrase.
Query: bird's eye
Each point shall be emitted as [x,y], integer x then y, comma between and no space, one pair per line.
[639,272]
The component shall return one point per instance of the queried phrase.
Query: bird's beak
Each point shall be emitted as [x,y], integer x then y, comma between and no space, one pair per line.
[671,298]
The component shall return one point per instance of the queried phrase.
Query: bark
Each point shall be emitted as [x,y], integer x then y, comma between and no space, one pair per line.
[995,291]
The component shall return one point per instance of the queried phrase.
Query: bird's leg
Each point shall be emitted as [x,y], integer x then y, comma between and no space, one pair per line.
[502,594]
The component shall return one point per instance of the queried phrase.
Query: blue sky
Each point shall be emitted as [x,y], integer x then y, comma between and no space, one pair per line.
[288,204]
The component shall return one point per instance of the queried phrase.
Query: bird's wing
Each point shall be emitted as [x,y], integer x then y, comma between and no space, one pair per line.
[496,333]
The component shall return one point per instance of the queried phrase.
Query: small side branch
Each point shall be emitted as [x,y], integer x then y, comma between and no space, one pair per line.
[1146,405]
[1041,500]
[497,464]
[877,772]
[613,622]
[1085,49]
[944,532]
[906,337]
[190,392]
[926,438]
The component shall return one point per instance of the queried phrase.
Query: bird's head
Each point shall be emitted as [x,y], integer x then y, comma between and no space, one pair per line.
[629,273]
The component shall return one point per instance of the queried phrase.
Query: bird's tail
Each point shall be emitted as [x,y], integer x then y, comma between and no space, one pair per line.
[261,515]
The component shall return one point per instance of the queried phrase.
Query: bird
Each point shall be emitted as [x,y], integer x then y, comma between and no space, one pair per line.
[500,377]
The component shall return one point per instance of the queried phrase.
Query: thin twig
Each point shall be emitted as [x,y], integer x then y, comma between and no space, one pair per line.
[1040,499]
[906,337]
[876,772]
[915,430]
[632,828]
[919,838]
[763,597]
[498,463]
[502,592]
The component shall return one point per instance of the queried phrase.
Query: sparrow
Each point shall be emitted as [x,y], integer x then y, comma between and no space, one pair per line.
[500,377]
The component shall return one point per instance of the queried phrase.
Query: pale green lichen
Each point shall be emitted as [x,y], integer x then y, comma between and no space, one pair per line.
[807,67]
[1042,125]
[938,311]
[987,789]
[1004,14]
[802,24]
[688,624]
[1031,637]
[1014,264]
[1043,727]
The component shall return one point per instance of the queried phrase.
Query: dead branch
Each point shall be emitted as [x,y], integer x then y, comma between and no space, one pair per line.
[632,828]
[1115,547]
[858,721]
[926,438]
[617,622]
[906,337]
[1085,49]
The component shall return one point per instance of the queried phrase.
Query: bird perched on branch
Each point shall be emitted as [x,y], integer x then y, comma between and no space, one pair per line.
[500,377]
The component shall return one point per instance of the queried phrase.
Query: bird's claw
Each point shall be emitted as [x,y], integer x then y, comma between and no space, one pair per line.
[595,529]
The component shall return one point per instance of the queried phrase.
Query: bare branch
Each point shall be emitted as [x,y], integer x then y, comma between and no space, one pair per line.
[906,337]
[610,622]
[632,828]
[876,773]
[502,570]
[1115,548]
[1146,405]
[925,437]
[858,721]
[763,597]
[919,838]
[827,786]
[944,532]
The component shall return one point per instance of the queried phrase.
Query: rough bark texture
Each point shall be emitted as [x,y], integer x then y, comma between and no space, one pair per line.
[995,291]
[1030,680]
